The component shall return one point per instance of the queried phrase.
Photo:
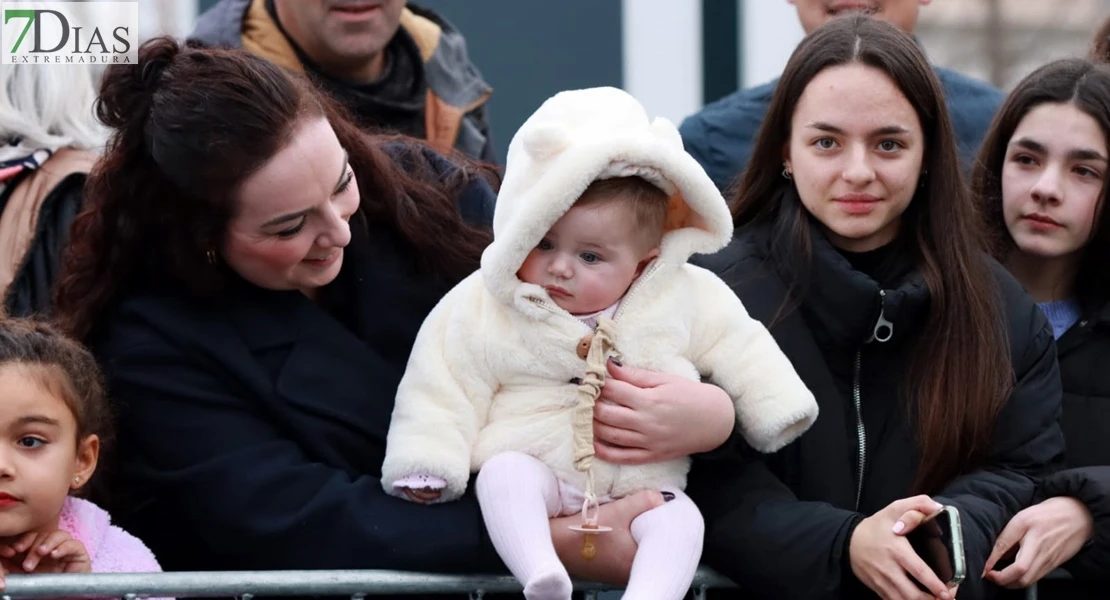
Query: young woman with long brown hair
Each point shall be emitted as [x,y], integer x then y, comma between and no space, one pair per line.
[934,372]
[251,271]
[1041,181]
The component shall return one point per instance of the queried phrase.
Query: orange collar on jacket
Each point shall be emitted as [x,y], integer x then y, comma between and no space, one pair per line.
[262,37]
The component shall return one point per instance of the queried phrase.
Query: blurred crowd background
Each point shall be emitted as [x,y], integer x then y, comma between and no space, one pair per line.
[677,55]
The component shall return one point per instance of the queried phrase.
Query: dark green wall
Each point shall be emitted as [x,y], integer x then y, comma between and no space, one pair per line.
[528,50]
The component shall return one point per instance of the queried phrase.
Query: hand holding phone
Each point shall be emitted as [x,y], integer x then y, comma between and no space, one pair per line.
[882,558]
[939,541]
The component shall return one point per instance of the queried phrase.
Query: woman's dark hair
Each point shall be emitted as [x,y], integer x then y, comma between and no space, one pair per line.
[959,377]
[1086,86]
[190,125]
[63,367]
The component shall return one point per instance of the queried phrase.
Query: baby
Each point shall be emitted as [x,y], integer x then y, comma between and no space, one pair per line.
[598,214]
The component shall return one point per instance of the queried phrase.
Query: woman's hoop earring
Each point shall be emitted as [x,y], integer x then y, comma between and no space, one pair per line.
[786,174]
[211,255]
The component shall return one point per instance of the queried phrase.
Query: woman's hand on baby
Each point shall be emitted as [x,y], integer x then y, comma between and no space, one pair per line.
[646,417]
[421,488]
[53,552]
[883,559]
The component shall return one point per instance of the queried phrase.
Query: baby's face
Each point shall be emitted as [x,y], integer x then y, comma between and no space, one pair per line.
[589,258]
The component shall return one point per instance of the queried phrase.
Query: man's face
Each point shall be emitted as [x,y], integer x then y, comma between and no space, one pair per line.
[900,13]
[341,35]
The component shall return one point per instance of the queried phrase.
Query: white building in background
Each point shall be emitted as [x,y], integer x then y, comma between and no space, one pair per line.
[665,78]
[156,17]
[769,32]
[1029,33]
[172,17]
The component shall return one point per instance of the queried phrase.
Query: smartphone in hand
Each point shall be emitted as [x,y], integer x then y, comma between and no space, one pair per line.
[939,541]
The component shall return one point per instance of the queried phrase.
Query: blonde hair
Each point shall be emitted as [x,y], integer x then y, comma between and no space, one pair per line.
[50,106]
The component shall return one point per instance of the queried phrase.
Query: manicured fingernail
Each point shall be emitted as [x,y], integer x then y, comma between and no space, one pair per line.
[668,496]
[946,596]
[616,362]
[937,506]
[898,527]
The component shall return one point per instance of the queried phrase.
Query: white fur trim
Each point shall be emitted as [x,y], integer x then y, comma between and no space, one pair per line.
[580,136]
[773,404]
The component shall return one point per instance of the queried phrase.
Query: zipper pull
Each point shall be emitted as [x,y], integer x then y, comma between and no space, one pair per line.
[884,330]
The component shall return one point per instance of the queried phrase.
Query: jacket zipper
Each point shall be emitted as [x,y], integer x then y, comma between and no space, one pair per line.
[861,433]
[642,279]
[882,332]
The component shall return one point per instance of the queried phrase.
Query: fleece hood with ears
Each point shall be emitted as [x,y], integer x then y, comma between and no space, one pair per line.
[578,137]
[495,367]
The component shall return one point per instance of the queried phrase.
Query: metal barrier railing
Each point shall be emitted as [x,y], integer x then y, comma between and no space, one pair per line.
[245,585]
[356,584]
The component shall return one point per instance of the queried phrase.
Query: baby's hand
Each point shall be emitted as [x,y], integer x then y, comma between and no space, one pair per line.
[423,495]
[421,488]
[53,552]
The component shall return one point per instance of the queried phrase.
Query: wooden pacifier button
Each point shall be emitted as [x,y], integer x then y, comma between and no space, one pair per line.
[584,345]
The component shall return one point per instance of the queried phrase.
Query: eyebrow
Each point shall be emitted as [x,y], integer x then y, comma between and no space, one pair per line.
[294,216]
[1076,154]
[285,218]
[595,246]
[342,173]
[32,419]
[1031,145]
[885,130]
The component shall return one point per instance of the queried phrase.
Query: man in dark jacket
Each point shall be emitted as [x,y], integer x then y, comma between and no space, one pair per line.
[397,68]
[722,134]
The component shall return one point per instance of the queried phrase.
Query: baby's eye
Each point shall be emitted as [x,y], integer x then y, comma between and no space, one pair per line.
[31,442]
[590,258]
[545,244]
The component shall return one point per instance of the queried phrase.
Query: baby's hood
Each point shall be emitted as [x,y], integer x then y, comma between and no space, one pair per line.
[575,138]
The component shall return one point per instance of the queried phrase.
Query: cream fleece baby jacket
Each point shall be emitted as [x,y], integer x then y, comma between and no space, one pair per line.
[492,366]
